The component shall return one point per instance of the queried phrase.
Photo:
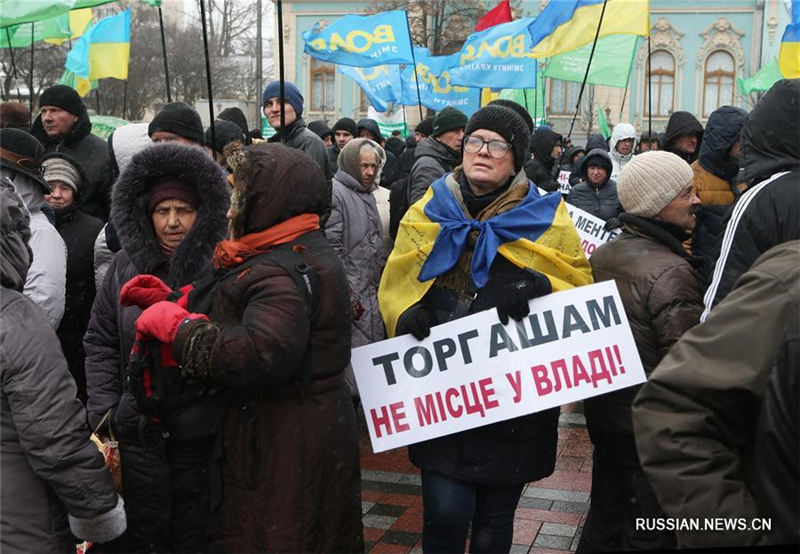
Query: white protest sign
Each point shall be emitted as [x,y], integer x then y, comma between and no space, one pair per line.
[475,371]
[590,229]
[563,182]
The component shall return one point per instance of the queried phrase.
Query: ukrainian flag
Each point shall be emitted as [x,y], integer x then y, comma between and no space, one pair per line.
[537,234]
[789,56]
[565,25]
[103,50]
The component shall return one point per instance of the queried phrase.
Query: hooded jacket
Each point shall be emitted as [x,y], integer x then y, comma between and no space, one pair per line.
[662,298]
[683,123]
[432,160]
[542,168]
[91,152]
[290,466]
[713,173]
[618,161]
[149,489]
[601,201]
[123,143]
[355,232]
[46,283]
[717,422]
[54,481]
[767,213]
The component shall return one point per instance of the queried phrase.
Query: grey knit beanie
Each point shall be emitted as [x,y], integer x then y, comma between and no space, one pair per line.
[60,169]
[651,180]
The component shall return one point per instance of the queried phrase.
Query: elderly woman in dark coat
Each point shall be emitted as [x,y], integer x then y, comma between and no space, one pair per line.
[163,479]
[276,341]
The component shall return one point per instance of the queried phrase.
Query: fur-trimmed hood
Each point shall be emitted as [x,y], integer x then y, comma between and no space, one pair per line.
[272,183]
[134,224]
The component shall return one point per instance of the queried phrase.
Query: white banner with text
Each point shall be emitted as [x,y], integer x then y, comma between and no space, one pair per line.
[475,371]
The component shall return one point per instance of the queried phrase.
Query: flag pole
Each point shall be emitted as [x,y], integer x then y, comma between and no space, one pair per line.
[281,72]
[97,99]
[164,54]
[588,66]
[125,100]
[649,96]
[13,65]
[208,74]
[414,61]
[30,85]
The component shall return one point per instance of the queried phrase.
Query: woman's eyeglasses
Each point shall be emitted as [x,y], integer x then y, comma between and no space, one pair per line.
[497,148]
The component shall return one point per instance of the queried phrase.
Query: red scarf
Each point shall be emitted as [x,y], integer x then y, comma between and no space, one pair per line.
[233,252]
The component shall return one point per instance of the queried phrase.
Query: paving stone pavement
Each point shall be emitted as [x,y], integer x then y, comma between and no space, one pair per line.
[549,517]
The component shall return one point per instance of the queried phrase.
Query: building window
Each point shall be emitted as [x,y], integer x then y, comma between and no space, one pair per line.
[718,79]
[563,95]
[323,86]
[662,82]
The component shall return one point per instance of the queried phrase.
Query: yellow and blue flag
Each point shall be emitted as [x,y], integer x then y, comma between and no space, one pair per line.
[103,50]
[789,55]
[537,234]
[362,40]
[565,25]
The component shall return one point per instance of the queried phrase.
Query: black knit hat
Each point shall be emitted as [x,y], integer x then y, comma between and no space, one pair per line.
[64,97]
[425,127]
[346,124]
[236,115]
[448,119]
[225,132]
[178,118]
[508,124]
[521,111]
[320,128]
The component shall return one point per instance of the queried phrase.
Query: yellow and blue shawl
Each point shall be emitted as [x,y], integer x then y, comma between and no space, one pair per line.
[538,234]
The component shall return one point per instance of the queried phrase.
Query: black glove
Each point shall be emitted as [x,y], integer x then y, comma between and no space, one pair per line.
[417,320]
[611,224]
[514,297]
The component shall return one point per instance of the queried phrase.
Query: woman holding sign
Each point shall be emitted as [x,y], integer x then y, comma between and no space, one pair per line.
[445,265]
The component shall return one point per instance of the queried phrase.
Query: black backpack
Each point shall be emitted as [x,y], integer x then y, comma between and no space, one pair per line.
[398,203]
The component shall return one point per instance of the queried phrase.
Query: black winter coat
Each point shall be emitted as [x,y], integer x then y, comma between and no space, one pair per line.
[164,509]
[508,452]
[79,231]
[91,153]
[542,169]
[432,159]
[765,215]
[602,201]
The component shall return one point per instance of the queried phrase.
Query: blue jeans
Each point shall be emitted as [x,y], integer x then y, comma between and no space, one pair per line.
[449,505]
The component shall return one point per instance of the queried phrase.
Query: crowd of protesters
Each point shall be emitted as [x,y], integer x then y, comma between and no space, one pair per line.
[201,289]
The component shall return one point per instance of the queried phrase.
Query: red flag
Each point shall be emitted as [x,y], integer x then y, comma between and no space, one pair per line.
[501,13]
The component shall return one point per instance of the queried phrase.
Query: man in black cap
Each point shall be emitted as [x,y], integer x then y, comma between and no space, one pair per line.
[225,132]
[423,129]
[63,125]
[438,154]
[322,130]
[683,136]
[344,131]
[177,122]
[21,166]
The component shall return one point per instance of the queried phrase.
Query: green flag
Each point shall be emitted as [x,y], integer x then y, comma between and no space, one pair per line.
[104,125]
[611,63]
[15,12]
[602,123]
[763,80]
[21,35]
